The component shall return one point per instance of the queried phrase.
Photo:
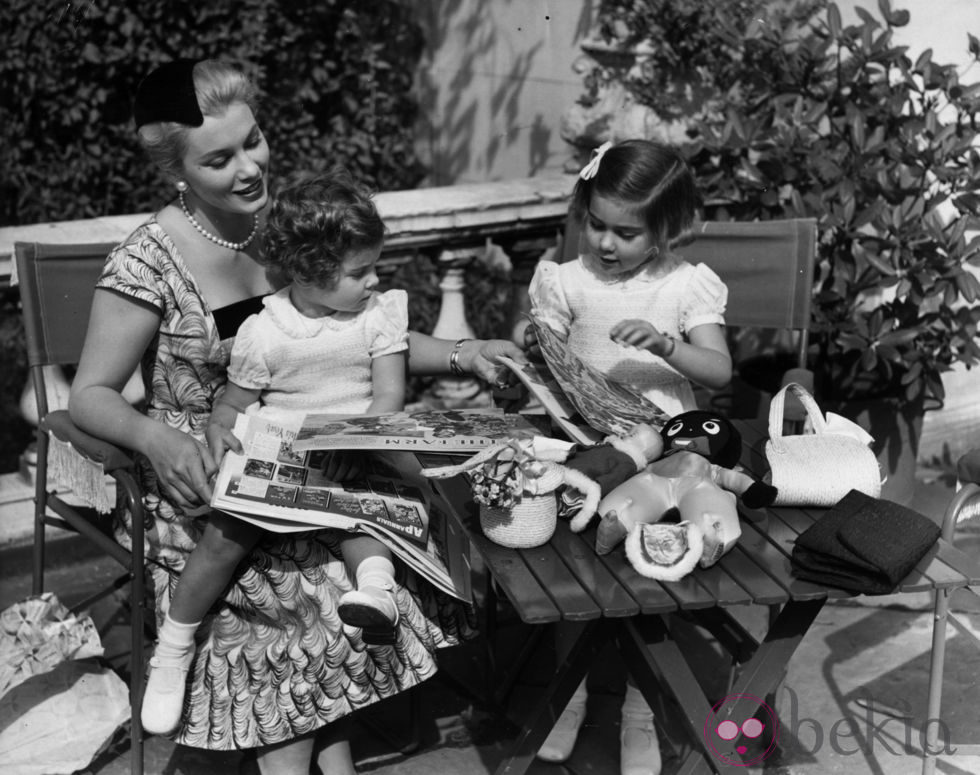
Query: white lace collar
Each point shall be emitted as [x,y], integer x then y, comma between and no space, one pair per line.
[286,317]
[651,272]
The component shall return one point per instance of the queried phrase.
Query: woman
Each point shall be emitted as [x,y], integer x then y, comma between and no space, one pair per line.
[274,664]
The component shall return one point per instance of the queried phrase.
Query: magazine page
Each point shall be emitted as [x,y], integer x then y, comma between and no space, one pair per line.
[542,385]
[273,478]
[448,430]
[607,406]
[283,490]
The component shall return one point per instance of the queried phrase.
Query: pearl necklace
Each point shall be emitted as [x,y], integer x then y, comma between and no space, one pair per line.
[213,237]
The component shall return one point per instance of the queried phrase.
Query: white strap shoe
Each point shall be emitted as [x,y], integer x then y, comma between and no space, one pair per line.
[561,740]
[639,749]
[163,700]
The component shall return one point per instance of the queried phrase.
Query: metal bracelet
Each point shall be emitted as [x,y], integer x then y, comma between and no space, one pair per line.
[454,367]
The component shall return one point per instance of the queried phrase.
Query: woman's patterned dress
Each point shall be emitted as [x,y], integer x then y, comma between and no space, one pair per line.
[274,661]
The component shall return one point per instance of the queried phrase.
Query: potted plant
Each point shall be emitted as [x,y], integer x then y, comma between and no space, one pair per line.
[814,118]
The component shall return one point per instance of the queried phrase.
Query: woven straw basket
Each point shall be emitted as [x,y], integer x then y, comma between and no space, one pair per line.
[529,522]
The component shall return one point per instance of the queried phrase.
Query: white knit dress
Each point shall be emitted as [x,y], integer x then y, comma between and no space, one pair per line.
[304,364]
[576,302]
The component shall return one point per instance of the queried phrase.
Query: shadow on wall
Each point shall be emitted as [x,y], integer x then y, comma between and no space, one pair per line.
[477,65]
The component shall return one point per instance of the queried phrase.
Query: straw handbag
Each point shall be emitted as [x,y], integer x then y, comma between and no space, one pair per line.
[818,468]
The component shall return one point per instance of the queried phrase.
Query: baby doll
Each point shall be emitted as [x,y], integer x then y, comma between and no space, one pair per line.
[694,475]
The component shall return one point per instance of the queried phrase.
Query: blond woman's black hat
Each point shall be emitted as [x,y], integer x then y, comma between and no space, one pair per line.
[167,94]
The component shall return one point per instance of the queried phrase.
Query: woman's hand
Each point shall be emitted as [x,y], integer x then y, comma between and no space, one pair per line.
[479,357]
[184,466]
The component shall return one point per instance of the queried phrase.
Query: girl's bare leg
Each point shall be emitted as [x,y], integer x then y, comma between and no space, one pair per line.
[293,757]
[333,754]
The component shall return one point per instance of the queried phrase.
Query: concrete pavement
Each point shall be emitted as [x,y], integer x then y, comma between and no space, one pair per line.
[852,702]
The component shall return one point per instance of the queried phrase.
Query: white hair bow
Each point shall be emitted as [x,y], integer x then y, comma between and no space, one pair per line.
[589,170]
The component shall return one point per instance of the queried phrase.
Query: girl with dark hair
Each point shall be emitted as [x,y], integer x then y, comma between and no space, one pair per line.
[640,314]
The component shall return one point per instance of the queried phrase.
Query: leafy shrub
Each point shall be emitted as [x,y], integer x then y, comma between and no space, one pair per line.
[807,117]
[15,432]
[335,78]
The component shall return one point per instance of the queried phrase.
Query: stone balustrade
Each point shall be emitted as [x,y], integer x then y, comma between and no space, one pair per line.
[453,225]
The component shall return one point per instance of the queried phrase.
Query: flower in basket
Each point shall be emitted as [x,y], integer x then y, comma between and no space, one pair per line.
[516,484]
[497,483]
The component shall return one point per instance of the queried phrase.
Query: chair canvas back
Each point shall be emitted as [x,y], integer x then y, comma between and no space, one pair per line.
[57,282]
[57,285]
[767,265]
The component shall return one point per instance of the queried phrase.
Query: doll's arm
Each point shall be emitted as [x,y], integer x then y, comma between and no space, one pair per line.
[754,494]
[619,457]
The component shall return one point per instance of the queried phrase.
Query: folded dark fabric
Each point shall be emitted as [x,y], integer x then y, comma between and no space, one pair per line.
[863,544]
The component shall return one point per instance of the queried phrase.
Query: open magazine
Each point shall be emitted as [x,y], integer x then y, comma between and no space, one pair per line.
[425,430]
[542,386]
[282,489]
[606,405]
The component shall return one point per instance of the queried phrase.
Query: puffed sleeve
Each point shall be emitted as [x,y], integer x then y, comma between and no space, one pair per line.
[136,269]
[705,299]
[388,320]
[249,367]
[548,302]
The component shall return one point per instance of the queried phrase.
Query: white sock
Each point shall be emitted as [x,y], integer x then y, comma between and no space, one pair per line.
[175,639]
[375,572]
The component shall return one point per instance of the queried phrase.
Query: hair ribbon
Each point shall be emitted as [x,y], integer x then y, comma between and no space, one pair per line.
[589,170]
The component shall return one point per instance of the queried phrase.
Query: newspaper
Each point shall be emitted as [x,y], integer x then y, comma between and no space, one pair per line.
[282,489]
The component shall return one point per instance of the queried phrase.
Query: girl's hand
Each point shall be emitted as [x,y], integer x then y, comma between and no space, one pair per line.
[220,440]
[184,466]
[642,335]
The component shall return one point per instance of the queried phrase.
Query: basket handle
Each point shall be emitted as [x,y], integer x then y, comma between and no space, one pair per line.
[777,410]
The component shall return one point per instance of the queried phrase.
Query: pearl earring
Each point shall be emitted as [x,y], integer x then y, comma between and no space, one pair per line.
[181,186]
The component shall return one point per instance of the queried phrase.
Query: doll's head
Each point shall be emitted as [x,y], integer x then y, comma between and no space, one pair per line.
[706,433]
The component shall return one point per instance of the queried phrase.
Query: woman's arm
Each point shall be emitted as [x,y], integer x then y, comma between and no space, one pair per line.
[119,332]
[428,356]
[387,383]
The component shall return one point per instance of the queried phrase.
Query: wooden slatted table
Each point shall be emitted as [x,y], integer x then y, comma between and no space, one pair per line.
[565,580]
